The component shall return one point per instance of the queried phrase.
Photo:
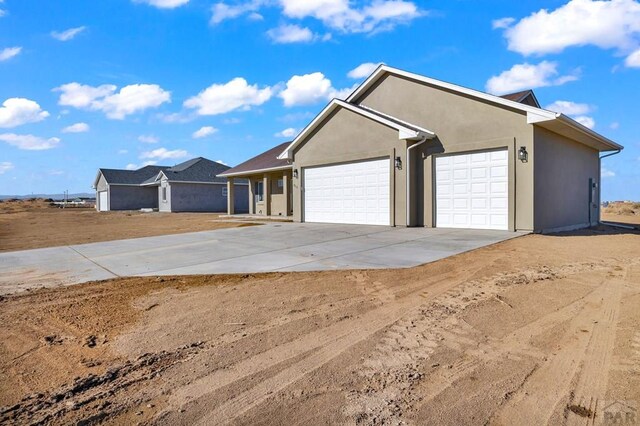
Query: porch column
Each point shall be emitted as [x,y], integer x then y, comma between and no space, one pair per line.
[230,196]
[267,194]
[252,196]
[285,191]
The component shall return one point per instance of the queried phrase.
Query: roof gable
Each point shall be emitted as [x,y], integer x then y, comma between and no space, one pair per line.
[265,161]
[198,169]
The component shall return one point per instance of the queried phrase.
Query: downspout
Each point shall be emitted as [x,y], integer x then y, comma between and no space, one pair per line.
[600,183]
[408,177]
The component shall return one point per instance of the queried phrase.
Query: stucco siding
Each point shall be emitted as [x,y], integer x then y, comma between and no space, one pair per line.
[461,124]
[102,184]
[194,197]
[563,168]
[344,137]
[132,197]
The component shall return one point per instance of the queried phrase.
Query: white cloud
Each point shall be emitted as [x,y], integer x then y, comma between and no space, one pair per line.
[528,76]
[116,105]
[285,34]
[123,151]
[502,23]
[287,133]
[18,111]
[164,154]
[148,139]
[203,132]
[576,110]
[614,126]
[29,142]
[378,15]
[164,4]
[5,166]
[309,89]
[221,162]
[222,11]
[586,121]
[363,70]
[633,60]
[611,24]
[132,166]
[606,173]
[9,52]
[176,117]
[374,16]
[76,128]
[67,34]
[223,98]
[569,108]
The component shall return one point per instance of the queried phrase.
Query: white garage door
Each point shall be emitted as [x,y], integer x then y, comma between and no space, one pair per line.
[472,190]
[102,201]
[348,193]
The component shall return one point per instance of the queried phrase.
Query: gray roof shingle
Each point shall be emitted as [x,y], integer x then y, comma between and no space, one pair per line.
[131,177]
[266,160]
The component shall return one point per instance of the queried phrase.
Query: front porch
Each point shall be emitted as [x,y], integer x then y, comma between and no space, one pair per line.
[270,194]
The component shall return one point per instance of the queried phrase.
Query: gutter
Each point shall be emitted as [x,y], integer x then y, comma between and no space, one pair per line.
[422,140]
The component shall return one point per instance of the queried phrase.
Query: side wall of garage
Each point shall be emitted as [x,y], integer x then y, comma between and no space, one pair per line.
[195,197]
[563,171]
[462,124]
[123,197]
[346,137]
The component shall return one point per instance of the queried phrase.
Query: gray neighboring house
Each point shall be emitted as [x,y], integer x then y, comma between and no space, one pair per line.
[121,189]
[409,150]
[194,186]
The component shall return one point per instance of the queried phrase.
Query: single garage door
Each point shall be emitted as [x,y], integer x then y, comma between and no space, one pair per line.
[102,201]
[472,190]
[348,193]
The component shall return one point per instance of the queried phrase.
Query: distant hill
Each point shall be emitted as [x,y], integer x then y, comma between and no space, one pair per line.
[52,196]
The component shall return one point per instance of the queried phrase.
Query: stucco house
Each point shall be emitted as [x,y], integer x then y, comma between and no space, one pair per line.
[195,186]
[192,186]
[122,189]
[408,150]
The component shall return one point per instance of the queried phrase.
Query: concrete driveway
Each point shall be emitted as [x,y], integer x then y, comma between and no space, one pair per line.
[268,247]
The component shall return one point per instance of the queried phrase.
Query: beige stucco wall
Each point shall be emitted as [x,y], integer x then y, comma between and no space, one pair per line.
[346,136]
[461,124]
[275,202]
[563,168]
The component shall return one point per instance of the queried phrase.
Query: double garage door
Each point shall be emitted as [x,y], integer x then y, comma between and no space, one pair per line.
[471,192]
[355,193]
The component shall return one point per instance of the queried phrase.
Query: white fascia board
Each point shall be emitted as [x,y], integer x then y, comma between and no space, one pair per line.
[535,117]
[404,133]
[257,171]
[587,131]
[203,183]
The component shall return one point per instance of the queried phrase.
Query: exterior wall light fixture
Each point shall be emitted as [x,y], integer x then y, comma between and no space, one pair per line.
[295,173]
[523,155]
[398,163]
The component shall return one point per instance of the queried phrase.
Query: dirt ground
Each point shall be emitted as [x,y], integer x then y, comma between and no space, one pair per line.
[542,329]
[622,212]
[35,224]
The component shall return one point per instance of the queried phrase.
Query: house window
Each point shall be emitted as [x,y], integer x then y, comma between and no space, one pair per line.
[224,191]
[164,194]
[259,191]
[280,183]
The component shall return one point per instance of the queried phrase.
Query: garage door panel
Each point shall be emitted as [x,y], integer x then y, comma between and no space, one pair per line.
[472,190]
[358,193]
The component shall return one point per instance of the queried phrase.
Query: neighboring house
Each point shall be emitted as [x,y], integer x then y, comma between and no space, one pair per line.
[408,150]
[195,186]
[121,189]
[269,183]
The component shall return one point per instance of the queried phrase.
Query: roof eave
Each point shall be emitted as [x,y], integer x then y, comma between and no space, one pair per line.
[585,135]
[256,171]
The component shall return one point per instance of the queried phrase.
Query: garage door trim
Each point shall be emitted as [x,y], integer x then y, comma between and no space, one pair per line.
[380,173]
[489,189]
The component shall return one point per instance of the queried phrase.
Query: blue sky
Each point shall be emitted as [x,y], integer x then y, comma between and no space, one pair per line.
[121,83]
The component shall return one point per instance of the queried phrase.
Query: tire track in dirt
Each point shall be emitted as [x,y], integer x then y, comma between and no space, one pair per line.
[394,367]
[323,345]
[536,401]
